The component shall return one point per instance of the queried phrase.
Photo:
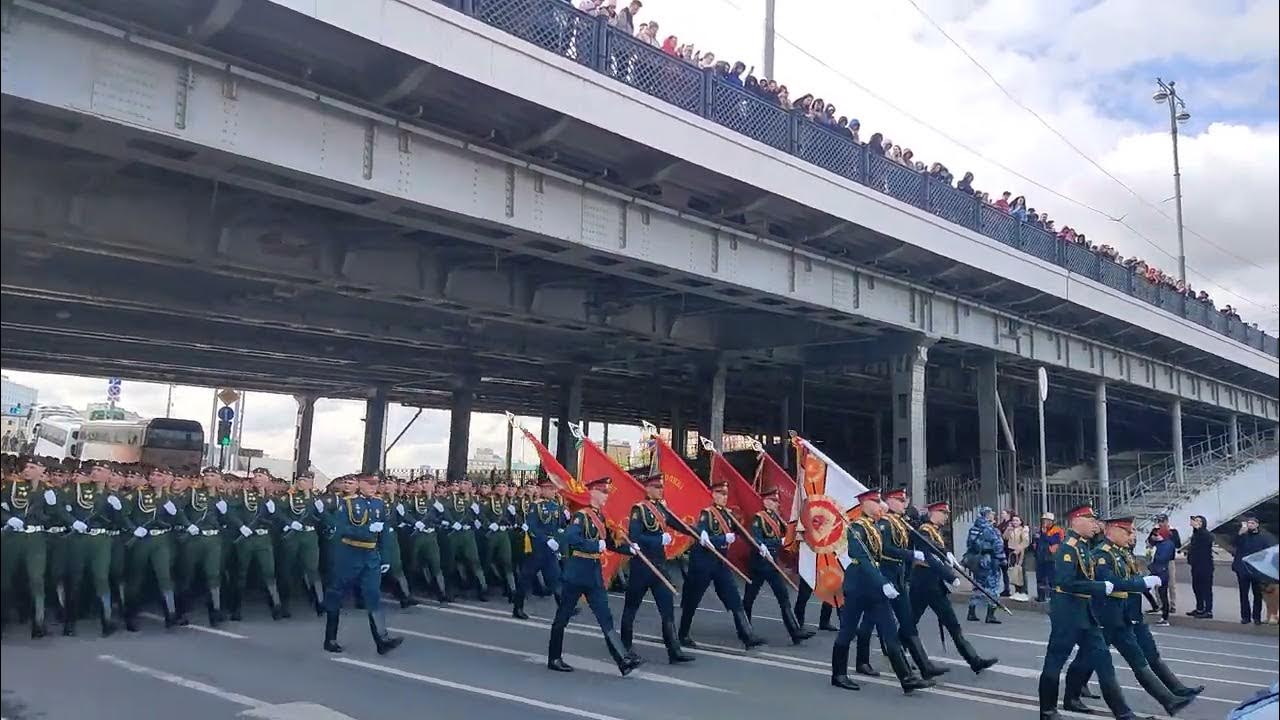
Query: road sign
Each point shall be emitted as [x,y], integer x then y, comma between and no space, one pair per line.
[114,381]
[228,396]
[1042,380]
[226,413]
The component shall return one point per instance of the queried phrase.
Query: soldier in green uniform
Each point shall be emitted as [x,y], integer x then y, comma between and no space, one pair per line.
[518,498]
[251,513]
[397,523]
[425,517]
[149,518]
[462,510]
[89,545]
[200,556]
[299,513]
[57,523]
[1072,620]
[24,509]
[497,516]
[325,528]
[119,497]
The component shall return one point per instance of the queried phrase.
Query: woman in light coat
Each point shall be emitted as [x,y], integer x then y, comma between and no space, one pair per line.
[1017,538]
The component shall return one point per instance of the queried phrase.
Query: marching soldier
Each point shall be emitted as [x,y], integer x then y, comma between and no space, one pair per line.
[802,603]
[57,522]
[425,514]
[251,513]
[929,582]
[390,494]
[299,514]
[462,510]
[89,545]
[200,556]
[650,536]
[544,524]
[706,569]
[519,497]
[768,528]
[585,540]
[360,520]
[1072,621]
[496,514]
[898,556]
[1113,563]
[24,510]
[149,553]
[119,497]
[866,590]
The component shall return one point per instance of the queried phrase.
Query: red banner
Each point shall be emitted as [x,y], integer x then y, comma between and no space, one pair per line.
[573,492]
[627,491]
[685,495]
[770,474]
[744,501]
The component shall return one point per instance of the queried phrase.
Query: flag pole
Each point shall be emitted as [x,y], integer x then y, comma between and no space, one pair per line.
[709,446]
[648,563]
[684,528]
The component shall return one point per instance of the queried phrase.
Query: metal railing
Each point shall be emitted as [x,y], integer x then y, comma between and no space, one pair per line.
[559,28]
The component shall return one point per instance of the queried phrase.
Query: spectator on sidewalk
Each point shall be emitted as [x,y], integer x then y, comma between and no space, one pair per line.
[1169,533]
[1199,552]
[1006,516]
[1044,545]
[1162,552]
[1250,539]
[1017,538]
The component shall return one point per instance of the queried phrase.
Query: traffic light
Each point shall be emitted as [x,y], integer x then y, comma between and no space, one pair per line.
[224,433]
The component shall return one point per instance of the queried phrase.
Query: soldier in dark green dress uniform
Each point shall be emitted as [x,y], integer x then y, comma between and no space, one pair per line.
[150,518]
[496,516]
[462,510]
[389,491]
[89,545]
[251,513]
[200,556]
[299,514]
[425,516]
[24,508]
[56,526]
[119,497]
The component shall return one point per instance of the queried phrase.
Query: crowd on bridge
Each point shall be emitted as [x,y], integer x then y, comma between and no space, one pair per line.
[824,114]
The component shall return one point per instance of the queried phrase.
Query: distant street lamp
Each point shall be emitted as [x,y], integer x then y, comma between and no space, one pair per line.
[1167,93]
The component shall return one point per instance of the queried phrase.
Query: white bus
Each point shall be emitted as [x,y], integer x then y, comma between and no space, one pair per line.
[57,437]
[114,440]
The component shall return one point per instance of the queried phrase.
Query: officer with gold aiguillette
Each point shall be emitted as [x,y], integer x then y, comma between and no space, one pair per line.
[359,520]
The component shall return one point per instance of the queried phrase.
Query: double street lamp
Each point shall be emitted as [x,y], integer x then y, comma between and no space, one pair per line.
[1167,93]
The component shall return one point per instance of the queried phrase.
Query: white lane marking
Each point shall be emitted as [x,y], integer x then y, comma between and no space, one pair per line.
[1216,641]
[1162,648]
[579,663]
[295,711]
[1117,653]
[180,681]
[199,628]
[496,694]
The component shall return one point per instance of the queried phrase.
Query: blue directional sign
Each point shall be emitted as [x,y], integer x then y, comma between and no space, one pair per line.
[226,413]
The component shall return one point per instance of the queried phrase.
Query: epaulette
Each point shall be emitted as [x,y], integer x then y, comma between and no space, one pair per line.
[1105,547]
[1071,541]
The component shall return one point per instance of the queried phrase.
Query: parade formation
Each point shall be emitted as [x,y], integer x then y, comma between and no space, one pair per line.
[98,538]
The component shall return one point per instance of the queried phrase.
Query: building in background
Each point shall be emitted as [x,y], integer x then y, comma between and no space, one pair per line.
[16,403]
[620,451]
[485,459]
[105,411]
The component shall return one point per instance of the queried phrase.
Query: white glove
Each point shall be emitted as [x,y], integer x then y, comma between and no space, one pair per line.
[170,508]
[375,527]
[635,549]
[705,539]
[79,526]
[666,539]
[566,514]
[437,506]
[493,527]
[50,497]
[764,553]
[551,543]
[296,525]
[956,583]
[113,501]
[139,532]
[889,590]
[221,505]
[1110,586]
[951,558]
[457,526]
[475,508]
[271,506]
[729,538]
[419,526]
[919,556]
[4,506]
[511,509]
[15,523]
[477,524]
[245,531]
[400,509]
[1152,581]
[383,568]
[602,546]
[319,505]
[193,530]
[524,527]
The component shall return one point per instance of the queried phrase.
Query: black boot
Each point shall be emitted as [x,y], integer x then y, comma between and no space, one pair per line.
[910,681]
[1171,680]
[675,654]
[824,619]
[555,647]
[977,663]
[517,609]
[235,609]
[840,668]
[1171,702]
[384,641]
[797,633]
[862,663]
[686,624]
[131,620]
[444,591]
[108,624]
[991,617]
[746,634]
[625,661]
[973,614]
[928,669]
[331,633]
[402,590]
[1085,692]
[1114,697]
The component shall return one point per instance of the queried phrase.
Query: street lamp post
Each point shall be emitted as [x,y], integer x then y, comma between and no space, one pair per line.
[1167,93]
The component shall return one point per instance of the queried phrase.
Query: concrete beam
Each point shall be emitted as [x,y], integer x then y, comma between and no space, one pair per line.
[375,422]
[988,439]
[715,425]
[910,439]
[302,433]
[464,396]
[1102,446]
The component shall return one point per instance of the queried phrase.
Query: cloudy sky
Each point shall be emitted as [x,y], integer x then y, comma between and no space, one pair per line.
[1086,68]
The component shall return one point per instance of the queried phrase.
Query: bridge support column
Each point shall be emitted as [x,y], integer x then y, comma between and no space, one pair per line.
[715,420]
[909,437]
[679,431]
[792,415]
[511,437]
[375,421]
[1100,429]
[570,411]
[1233,434]
[877,447]
[1081,448]
[302,433]
[464,396]
[1175,436]
[988,442]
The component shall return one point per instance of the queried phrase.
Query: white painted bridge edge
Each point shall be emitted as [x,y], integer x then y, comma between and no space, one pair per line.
[193,101]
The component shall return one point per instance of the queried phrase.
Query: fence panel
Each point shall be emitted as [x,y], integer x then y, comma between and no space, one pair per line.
[749,115]
[1171,300]
[1080,259]
[1040,243]
[951,204]
[998,225]
[895,180]
[1114,276]
[554,26]
[648,69]
[830,150]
